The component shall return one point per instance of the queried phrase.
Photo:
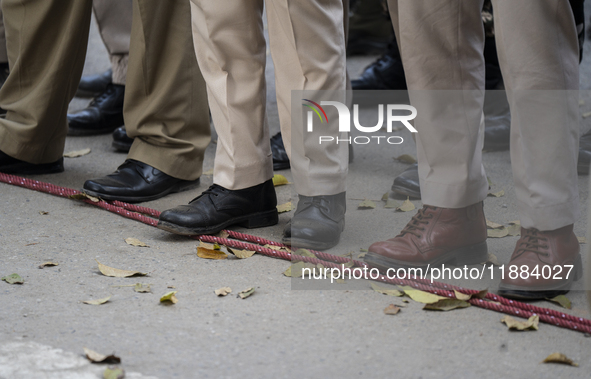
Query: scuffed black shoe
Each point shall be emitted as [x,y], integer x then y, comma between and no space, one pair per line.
[134,182]
[121,141]
[94,85]
[10,165]
[407,183]
[103,115]
[280,159]
[317,223]
[218,208]
[386,73]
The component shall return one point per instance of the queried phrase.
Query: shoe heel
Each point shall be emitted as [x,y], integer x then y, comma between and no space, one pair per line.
[578,268]
[471,255]
[262,219]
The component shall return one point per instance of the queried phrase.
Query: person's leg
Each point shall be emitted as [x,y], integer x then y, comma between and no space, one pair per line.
[543,94]
[105,112]
[448,94]
[165,107]
[46,44]
[319,172]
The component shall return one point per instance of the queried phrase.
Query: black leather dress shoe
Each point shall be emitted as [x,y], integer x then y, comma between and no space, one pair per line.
[10,165]
[280,159]
[121,141]
[134,182]
[385,73]
[103,115]
[584,154]
[317,222]
[407,183]
[218,208]
[94,85]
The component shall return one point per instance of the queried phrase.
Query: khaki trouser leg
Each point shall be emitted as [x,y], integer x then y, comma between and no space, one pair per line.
[308,48]
[542,89]
[165,100]
[441,44]
[114,22]
[230,47]
[46,43]
[3,52]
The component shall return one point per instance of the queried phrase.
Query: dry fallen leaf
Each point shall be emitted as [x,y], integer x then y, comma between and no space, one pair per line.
[492,259]
[559,358]
[497,233]
[169,297]
[421,296]
[389,292]
[208,172]
[83,196]
[77,153]
[391,203]
[282,208]
[514,230]
[295,270]
[223,291]
[406,158]
[135,242]
[366,204]
[99,301]
[582,240]
[561,300]
[13,279]
[205,253]
[47,264]
[246,293]
[386,196]
[493,225]
[391,309]
[279,180]
[361,256]
[43,213]
[585,115]
[501,193]
[407,206]
[95,357]
[446,305]
[116,273]
[466,297]
[304,253]
[241,254]
[142,288]
[223,234]
[114,373]
[363,250]
[530,324]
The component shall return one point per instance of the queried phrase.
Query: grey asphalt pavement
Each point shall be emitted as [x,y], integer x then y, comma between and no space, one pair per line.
[280,331]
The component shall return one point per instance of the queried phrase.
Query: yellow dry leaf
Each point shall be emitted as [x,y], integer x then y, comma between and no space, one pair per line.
[77,153]
[530,324]
[391,203]
[242,254]
[135,242]
[98,302]
[406,158]
[514,230]
[48,264]
[116,273]
[493,225]
[389,292]
[561,300]
[83,196]
[208,172]
[95,357]
[223,291]
[114,373]
[582,240]
[43,213]
[366,204]
[169,297]
[559,358]
[391,309]
[204,253]
[282,208]
[497,233]
[446,305]
[407,206]
[421,296]
[501,193]
[246,293]
[279,180]
[142,288]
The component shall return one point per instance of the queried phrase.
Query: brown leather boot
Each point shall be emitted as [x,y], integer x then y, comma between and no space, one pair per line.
[543,265]
[435,236]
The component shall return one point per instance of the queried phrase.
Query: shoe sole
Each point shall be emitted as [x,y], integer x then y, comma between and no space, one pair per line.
[298,243]
[180,187]
[255,220]
[519,293]
[24,168]
[469,255]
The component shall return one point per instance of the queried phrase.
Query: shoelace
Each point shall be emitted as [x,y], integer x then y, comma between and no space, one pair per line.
[530,241]
[103,96]
[414,226]
[214,190]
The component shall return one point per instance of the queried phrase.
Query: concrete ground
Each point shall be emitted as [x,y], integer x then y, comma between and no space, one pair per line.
[280,331]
